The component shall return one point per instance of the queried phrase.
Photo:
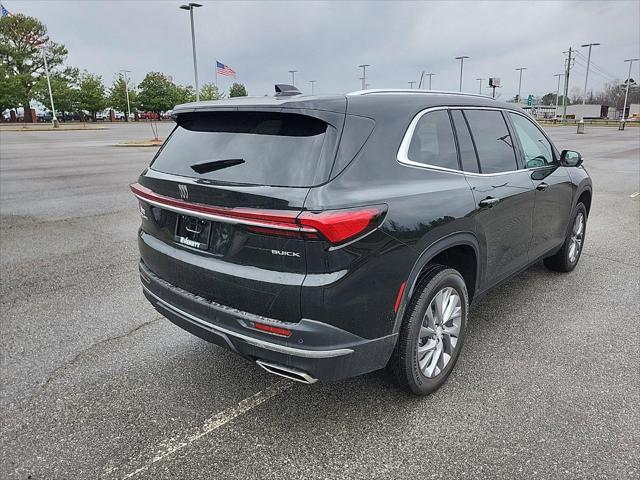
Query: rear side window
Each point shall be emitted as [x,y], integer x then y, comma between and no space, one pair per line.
[432,142]
[493,141]
[465,143]
[257,148]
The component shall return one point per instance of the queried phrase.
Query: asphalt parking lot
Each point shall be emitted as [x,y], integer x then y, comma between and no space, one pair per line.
[96,384]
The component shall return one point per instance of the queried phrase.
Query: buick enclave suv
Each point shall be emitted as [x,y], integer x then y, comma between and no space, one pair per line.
[327,237]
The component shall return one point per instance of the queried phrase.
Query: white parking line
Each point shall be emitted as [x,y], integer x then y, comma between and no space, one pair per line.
[214,422]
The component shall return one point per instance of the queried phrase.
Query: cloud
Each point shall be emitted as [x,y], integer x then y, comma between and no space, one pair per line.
[325,41]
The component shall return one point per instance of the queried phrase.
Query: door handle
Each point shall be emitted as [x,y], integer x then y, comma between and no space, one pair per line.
[542,187]
[488,202]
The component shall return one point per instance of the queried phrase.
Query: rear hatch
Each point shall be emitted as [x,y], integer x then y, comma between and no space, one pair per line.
[220,203]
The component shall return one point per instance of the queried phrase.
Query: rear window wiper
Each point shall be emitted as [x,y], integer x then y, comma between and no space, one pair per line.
[213,165]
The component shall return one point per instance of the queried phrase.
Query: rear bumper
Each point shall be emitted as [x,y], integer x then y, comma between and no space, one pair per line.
[320,350]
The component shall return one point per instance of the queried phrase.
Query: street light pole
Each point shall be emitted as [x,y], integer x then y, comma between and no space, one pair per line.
[364,75]
[520,81]
[461,58]
[293,77]
[54,120]
[312,82]
[190,7]
[126,89]
[429,75]
[480,84]
[555,112]
[626,94]
[584,96]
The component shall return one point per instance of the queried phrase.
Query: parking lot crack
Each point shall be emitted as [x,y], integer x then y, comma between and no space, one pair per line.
[61,369]
[601,257]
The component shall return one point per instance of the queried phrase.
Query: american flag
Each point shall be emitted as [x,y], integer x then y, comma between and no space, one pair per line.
[5,12]
[223,69]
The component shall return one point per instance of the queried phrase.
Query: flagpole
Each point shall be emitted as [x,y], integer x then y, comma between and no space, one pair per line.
[216,73]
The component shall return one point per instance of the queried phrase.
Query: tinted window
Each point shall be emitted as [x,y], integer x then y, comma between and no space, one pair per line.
[537,149]
[465,144]
[260,148]
[492,139]
[432,142]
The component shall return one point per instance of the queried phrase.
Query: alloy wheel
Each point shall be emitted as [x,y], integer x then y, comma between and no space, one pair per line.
[439,332]
[577,236]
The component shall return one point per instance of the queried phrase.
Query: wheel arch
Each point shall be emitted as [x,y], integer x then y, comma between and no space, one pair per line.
[585,197]
[453,250]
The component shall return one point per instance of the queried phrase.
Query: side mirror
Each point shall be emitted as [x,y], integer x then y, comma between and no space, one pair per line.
[571,158]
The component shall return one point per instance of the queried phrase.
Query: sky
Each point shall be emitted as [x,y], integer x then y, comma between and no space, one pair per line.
[326,41]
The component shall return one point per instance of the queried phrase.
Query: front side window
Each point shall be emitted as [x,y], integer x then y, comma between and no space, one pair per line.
[537,149]
[493,141]
[432,142]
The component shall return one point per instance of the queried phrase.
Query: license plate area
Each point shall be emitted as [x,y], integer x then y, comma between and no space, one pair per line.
[193,232]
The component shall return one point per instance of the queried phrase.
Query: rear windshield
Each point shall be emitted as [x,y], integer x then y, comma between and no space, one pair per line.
[257,148]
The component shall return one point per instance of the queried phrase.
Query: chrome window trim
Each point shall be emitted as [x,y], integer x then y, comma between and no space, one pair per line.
[403,152]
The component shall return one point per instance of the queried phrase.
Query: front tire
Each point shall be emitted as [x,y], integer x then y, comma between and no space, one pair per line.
[432,332]
[567,258]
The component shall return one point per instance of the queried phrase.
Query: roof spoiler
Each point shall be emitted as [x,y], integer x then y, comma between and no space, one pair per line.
[284,90]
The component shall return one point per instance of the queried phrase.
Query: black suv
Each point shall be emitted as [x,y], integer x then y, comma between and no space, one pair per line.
[326,237]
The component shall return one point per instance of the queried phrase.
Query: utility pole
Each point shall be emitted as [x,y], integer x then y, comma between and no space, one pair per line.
[480,84]
[626,94]
[126,89]
[520,81]
[190,7]
[461,58]
[312,82]
[566,86]
[555,113]
[411,84]
[364,75]
[54,120]
[584,96]
[293,77]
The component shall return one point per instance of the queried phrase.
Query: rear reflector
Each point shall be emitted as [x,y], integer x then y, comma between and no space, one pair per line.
[283,332]
[336,226]
[403,285]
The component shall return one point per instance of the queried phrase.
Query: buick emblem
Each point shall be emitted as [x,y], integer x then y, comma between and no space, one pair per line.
[184,193]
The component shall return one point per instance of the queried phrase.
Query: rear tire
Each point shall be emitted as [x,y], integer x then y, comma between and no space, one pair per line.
[567,258]
[432,332]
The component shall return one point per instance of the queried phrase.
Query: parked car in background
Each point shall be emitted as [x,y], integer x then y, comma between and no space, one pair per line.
[167,114]
[327,237]
[149,116]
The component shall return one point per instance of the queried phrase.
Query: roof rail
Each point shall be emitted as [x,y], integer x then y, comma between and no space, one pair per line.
[415,90]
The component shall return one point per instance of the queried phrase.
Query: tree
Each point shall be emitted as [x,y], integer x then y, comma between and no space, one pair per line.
[11,93]
[91,95]
[237,90]
[209,91]
[157,93]
[64,87]
[20,37]
[550,99]
[118,95]
[183,94]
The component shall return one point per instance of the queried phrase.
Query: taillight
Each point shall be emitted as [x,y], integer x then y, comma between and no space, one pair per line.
[340,226]
[336,226]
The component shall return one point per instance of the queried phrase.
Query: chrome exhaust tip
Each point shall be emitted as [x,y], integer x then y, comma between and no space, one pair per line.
[287,372]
